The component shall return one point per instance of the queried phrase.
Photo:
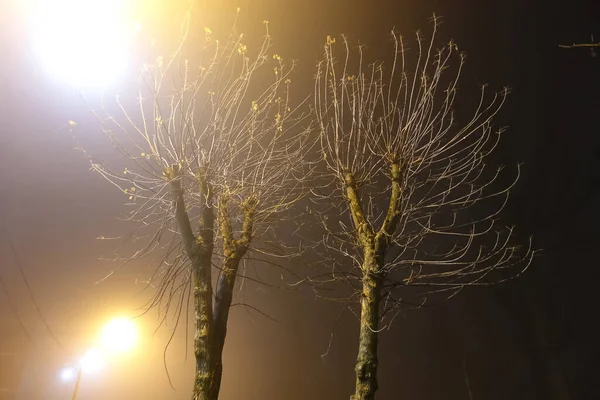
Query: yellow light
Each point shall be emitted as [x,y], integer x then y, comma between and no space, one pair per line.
[83,42]
[91,361]
[119,335]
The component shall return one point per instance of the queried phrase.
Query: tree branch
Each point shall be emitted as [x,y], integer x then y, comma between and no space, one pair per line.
[173,174]
[392,216]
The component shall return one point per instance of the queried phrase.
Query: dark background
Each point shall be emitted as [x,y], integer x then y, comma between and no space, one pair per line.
[533,338]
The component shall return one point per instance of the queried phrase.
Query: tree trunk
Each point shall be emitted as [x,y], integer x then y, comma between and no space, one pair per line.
[204,387]
[223,301]
[366,362]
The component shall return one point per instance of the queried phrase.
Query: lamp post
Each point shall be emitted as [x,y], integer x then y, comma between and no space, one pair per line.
[91,360]
[118,336]
[76,391]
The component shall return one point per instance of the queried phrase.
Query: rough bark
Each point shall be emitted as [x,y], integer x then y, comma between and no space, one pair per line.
[234,251]
[204,388]
[367,359]
[199,250]
[204,382]
[223,299]
[374,247]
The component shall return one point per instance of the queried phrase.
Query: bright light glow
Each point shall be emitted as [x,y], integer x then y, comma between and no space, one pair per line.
[68,374]
[82,42]
[92,361]
[119,335]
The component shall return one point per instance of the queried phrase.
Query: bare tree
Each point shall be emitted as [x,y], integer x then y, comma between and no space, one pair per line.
[214,156]
[406,181]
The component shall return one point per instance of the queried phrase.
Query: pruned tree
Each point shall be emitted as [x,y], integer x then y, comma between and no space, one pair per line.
[410,205]
[213,157]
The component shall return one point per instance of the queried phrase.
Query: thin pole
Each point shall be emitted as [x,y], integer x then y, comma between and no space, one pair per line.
[77,384]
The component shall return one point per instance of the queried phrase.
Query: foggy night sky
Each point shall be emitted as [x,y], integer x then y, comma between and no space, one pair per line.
[54,207]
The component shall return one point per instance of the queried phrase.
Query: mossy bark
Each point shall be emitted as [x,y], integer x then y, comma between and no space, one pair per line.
[199,250]
[367,359]
[204,388]
[211,317]
[234,250]
[374,245]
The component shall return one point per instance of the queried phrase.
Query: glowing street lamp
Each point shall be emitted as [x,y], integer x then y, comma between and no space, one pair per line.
[118,336]
[68,374]
[91,361]
[84,42]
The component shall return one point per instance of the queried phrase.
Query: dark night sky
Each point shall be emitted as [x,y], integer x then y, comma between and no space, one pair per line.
[54,208]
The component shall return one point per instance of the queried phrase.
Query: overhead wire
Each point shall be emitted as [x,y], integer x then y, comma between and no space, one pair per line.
[13,308]
[29,291]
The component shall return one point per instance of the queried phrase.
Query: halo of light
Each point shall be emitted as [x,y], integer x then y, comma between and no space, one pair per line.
[120,335]
[92,361]
[82,42]
[68,374]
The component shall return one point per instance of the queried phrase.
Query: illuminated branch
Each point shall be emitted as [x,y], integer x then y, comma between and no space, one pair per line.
[591,45]
[213,160]
[407,204]
[579,45]
[181,215]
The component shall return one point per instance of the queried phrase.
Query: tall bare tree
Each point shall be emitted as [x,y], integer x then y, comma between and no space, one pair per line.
[213,157]
[411,201]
